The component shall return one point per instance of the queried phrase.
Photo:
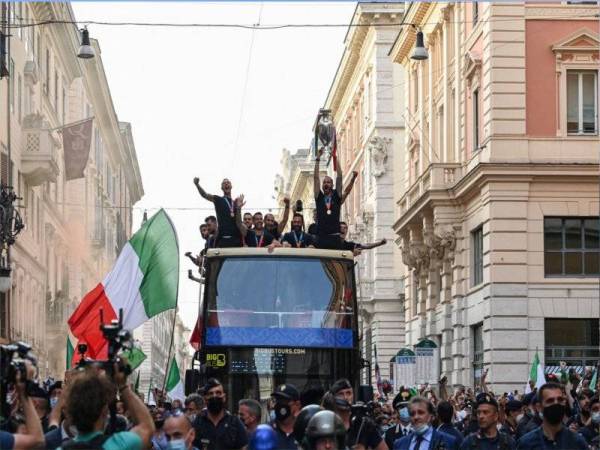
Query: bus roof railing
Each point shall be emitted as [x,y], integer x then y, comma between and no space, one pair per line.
[280,251]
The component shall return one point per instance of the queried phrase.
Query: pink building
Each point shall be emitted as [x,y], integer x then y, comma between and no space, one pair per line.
[498,214]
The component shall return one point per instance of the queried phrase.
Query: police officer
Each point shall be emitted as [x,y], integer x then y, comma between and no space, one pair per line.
[488,437]
[402,428]
[216,428]
[286,407]
[514,413]
[325,431]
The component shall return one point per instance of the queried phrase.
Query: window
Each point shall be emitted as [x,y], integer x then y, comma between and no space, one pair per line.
[475,13]
[19,99]
[582,102]
[475,120]
[477,333]
[416,292]
[414,165]
[56,91]
[441,134]
[571,246]
[575,341]
[477,256]
[47,73]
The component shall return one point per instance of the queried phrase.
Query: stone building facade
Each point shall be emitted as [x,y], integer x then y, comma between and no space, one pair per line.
[73,229]
[498,211]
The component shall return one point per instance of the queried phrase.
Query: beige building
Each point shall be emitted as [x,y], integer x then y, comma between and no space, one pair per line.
[498,211]
[366,102]
[73,229]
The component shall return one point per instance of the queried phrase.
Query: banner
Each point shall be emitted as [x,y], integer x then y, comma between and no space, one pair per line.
[428,362]
[404,368]
[76,145]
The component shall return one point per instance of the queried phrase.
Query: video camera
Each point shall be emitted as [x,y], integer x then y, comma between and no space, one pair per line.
[13,361]
[118,339]
[13,358]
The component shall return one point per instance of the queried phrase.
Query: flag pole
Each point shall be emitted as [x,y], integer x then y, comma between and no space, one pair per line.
[69,124]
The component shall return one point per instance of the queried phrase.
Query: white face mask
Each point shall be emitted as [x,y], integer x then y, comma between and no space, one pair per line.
[596,418]
[461,414]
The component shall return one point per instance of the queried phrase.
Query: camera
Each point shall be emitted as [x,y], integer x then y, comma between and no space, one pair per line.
[13,358]
[118,339]
[299,206]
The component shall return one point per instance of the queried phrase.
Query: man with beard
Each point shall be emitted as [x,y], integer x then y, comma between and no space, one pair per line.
[553,434]
[274,227]
[488,437]
[229,234]
[286,408]
[248,220]
[297,238]
[328,205]
[215,427]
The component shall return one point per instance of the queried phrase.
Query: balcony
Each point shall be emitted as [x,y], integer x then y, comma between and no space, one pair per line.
[437,176]
[39,152]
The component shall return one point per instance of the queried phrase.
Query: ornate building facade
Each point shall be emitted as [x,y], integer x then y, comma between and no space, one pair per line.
[74,229]
[498,211]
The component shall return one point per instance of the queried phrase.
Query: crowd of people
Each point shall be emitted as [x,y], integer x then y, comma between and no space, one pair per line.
[231,227]
[96,409]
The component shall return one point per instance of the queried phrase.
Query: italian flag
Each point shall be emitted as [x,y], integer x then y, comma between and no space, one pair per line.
[536,374]
[174,385]
[143,283]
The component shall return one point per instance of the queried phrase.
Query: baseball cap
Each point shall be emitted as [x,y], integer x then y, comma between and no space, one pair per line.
[287,391]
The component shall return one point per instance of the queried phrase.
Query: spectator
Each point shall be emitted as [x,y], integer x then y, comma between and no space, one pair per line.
[41,403]
[402,428]
[591,431]
[514,413]
[179,432]
[88,397]
[552,434]
[215,427]
[193,405]
[159,440]
[250,413]
[532,419]
[445,413]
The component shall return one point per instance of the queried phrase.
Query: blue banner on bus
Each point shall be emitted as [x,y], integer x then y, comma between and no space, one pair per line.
[280,337]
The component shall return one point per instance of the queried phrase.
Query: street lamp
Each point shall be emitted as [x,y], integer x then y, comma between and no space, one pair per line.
[86,51]
[420,52]
[10,226]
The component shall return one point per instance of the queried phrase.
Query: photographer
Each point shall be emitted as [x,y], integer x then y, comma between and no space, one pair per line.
[362,432]
[34,438]
[88,397]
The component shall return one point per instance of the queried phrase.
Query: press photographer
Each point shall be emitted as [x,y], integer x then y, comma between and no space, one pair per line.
[17,370]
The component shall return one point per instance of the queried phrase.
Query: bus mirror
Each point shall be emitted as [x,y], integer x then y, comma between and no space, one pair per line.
[365,393]
[192,381]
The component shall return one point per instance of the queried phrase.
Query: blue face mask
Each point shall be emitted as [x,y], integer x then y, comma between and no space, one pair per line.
[53,402]
[176,444]
[421,429]
[404,415]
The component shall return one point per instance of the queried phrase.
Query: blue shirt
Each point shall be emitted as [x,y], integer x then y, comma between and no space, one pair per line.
[7,441]
[425,440]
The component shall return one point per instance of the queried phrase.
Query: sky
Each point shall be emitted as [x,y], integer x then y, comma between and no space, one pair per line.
[202,104]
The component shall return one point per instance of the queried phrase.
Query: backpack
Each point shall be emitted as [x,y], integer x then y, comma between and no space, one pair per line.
[94,444]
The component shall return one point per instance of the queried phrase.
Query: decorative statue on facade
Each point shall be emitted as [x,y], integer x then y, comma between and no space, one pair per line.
[379,153]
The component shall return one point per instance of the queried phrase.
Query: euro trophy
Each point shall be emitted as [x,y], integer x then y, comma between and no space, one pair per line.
[325,136]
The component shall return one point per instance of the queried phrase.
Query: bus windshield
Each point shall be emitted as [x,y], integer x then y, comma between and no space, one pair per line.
[252,295]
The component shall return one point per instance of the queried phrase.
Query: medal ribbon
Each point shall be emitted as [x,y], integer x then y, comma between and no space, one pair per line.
[298,242]
[259,243]
[328,200]
[229,204]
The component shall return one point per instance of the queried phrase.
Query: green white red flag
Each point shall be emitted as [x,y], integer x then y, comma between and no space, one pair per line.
[143,282]
[174,385]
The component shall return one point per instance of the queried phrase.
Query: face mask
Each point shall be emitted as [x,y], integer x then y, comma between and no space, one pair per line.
[421,429]
[272,415]
[53,402]
[215,405]
[342,404]
[282,412]
[520,417]
[191,417]
[462,414]
[176,444]
[596,418]
[554,413]
[404,415]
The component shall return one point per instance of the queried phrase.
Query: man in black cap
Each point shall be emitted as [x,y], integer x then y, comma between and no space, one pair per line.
[215,427]
[286,407]
[41,402]
[361,434]
[402,428]
[488,437]
[532,419]
[514,412]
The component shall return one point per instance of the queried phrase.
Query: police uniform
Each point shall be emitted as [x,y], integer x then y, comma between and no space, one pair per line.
[398,431]
[478,441]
